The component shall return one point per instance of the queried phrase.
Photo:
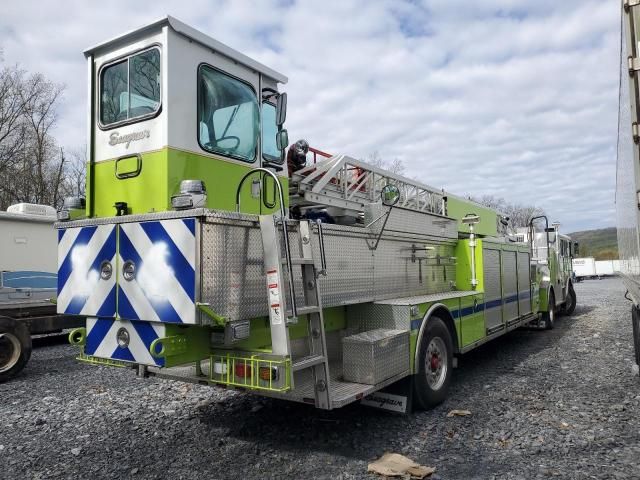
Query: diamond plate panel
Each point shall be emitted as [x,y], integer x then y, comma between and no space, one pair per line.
[509,285]
[524,287]
[372,357]
[492,287]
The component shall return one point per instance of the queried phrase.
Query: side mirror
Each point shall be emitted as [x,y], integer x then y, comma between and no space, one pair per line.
[281,109]
[282,139]
[390,195]
[576,248]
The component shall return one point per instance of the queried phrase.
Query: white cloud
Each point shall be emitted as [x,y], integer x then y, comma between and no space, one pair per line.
[495,97]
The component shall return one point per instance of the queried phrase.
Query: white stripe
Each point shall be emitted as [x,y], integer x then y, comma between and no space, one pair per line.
[91,322]
[138,299]
[183,238]
[65,243]
[80,280]
[99,294]
[109,343]
[174,292]
[137,347]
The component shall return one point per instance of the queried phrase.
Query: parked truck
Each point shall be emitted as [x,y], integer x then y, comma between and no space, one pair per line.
[607,268]
[28,265]
[204,256]
[584,268]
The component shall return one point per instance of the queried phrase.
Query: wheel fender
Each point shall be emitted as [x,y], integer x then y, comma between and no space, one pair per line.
[549,292]
[448,320]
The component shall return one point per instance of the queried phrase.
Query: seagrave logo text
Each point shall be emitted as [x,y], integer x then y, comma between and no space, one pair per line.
[115,138]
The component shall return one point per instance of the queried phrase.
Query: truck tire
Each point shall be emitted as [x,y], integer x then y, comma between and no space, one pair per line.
[15,347]
[570,304]
[635,322]
[435,364]
[549,317]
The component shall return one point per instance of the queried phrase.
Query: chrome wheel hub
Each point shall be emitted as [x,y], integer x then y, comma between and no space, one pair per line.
[436,363]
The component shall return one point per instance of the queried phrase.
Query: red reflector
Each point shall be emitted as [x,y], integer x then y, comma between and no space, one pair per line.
[243,370]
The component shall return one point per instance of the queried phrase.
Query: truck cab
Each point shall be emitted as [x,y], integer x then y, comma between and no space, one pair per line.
[168,103]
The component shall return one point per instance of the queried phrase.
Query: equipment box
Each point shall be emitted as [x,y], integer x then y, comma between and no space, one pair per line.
[374,356]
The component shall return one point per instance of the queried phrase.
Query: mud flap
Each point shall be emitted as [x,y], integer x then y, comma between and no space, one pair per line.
[397,397]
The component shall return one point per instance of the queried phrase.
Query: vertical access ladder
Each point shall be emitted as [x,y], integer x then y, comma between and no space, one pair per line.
[276,265]
[279,317]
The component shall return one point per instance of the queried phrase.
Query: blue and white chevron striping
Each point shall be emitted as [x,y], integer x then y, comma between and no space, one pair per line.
[102,340]
[164,255]
[81,251]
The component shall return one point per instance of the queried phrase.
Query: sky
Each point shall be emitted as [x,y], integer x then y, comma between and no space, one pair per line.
[516,99]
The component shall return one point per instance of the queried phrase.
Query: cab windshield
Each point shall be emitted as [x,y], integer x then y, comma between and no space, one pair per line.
[227,115]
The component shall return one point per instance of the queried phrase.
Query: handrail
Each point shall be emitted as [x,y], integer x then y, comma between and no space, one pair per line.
[287,254]
[317,152]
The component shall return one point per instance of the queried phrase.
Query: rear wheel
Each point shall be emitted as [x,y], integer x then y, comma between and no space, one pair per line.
[570,304]
[15,347]
[435,362]
[549,317]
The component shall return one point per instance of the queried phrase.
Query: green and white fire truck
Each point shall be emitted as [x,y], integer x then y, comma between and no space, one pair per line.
[204,256]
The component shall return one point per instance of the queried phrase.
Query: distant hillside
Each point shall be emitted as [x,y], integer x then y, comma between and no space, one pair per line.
[601,243]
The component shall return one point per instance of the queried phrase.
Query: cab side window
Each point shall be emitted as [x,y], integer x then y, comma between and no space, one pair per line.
[130,88]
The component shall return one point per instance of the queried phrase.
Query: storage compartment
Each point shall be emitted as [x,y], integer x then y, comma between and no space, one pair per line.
[374,356]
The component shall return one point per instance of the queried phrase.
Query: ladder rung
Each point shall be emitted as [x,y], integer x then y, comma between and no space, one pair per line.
[307,362]
[298,261]
[307,310]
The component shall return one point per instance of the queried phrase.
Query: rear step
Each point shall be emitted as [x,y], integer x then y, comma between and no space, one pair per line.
[307,362]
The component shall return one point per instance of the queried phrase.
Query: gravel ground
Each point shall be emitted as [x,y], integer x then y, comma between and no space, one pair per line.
[560,404]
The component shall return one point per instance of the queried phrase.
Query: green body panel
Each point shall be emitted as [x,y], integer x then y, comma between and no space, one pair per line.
[160,177]
[457,208]
[543,300]
[463,265]
[260,338]
[473,325]
[197,343]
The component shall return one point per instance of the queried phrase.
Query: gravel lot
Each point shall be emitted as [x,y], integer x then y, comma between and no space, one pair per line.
[560,404]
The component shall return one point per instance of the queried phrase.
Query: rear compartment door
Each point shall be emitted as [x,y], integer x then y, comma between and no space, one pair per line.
[83,254]
[157,271]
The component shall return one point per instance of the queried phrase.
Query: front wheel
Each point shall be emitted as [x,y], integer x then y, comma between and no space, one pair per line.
[435,362]
[15,348]
[570,304]
[549,317]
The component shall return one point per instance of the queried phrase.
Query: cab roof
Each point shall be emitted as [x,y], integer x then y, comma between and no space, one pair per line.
[192,34]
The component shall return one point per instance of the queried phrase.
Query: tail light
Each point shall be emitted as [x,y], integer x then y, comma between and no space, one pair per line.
[243,370]
[268,373]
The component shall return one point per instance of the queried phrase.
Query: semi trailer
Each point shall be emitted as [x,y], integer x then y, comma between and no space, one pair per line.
[28,265]
[206,254]
[628,163]
[584,268]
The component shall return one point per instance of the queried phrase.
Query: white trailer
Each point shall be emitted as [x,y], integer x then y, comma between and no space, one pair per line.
[584,268]
[28,283]
[605,268]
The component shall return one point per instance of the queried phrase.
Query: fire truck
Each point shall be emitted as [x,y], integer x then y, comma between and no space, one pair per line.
[203,255]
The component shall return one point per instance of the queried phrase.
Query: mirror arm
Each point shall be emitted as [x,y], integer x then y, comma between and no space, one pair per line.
[376,220]
[388,214]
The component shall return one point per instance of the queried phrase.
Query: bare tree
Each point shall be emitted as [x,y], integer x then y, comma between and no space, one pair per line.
[32,167]
[519,215]
[394,166]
